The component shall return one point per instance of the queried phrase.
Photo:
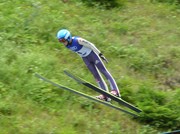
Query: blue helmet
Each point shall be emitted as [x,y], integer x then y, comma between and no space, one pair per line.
[64,34]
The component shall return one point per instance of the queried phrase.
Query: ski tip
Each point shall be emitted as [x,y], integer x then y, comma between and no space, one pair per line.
[36,74]
[65,71]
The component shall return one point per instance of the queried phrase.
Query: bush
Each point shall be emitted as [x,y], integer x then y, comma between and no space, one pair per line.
[158,110]
[170,1]
[108,4]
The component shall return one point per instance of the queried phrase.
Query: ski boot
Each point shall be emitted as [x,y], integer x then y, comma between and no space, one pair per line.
[115,93]
[103,97]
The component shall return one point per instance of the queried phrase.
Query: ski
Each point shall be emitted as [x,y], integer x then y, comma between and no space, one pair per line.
[101,91]
[85,95]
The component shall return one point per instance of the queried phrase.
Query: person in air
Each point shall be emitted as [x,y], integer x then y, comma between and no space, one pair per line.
[92,58]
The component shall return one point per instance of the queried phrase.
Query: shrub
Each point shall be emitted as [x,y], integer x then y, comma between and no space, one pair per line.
[108,4]
[170,1]
[158,110]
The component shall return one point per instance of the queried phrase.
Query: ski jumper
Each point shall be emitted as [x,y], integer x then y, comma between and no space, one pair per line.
[90,55]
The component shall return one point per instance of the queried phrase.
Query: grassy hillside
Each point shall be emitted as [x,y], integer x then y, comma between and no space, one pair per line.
[140,40]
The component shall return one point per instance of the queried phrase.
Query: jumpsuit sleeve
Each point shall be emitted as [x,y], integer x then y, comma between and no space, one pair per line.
[88,44]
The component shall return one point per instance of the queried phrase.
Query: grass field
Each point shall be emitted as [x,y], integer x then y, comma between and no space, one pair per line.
[141,41]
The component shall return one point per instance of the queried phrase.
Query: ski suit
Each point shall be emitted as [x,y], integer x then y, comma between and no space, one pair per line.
[90,56]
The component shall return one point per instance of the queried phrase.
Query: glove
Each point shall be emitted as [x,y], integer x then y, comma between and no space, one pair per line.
[103,58]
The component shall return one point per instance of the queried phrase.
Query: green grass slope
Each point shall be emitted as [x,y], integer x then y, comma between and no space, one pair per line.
[140,40]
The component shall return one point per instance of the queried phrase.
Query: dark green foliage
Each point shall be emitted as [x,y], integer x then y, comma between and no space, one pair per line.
[158,109]
[6,109]
[169,1]
[108,4]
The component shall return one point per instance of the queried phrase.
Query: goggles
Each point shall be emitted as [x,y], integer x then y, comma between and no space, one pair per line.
[62,40]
